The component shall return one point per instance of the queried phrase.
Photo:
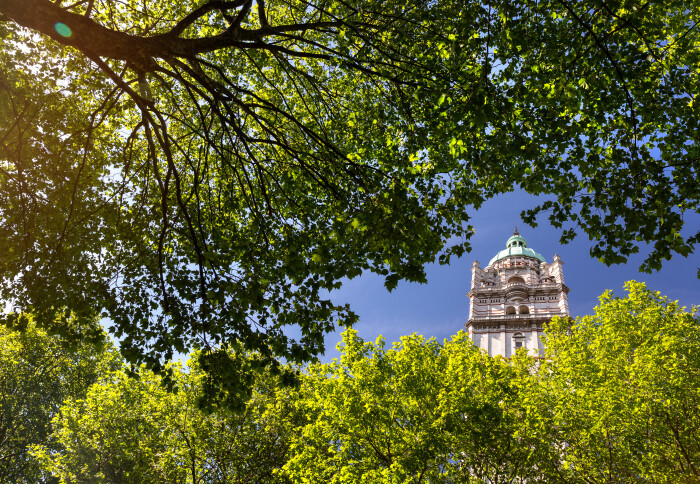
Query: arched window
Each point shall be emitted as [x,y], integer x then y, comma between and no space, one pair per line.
[516,279]
[524,310]
[510,310]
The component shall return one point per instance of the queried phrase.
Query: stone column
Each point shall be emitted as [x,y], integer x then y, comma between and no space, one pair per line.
[535,351]
[504,343]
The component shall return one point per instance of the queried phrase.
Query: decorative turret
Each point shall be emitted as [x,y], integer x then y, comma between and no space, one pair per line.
[516,246]
[512,297]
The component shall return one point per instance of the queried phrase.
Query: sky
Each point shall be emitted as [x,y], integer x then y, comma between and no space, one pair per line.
[440,308]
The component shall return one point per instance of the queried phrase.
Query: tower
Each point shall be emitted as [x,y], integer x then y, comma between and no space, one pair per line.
[512,297]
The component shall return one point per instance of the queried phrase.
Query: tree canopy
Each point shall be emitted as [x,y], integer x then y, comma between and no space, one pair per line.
[616,399]
[127,431]
[203,173]
[622,389]
[38,373]
[418,412]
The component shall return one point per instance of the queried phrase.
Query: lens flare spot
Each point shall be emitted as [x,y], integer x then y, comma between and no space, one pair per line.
[62,29]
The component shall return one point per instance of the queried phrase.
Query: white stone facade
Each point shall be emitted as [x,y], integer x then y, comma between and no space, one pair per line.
[512,297]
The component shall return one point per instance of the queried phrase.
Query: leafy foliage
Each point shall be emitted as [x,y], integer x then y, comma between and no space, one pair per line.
[203,173]
[135,431]
[418,412]
[615,400]
[37,372]
[607,91]
[623,391]
[268,154]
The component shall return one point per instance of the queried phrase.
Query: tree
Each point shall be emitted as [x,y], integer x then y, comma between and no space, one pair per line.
[269,151]
[205,172]
[615,399]
[418,412]
[621,387]
[608,94]
[135,431]
[494,435]
[37,372]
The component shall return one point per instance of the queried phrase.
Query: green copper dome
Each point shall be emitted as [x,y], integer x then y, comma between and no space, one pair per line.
[517,246]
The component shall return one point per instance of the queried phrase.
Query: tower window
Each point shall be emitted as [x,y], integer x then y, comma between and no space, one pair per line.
[518,340]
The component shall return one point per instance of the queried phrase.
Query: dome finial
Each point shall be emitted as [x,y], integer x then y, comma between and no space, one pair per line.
[516,231]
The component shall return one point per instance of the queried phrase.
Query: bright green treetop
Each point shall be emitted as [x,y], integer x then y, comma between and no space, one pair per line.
[38,371]
[616,400]
[135,431]
[623,389]
[419,412]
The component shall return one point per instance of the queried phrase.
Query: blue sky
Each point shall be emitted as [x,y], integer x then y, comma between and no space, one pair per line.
[440,308]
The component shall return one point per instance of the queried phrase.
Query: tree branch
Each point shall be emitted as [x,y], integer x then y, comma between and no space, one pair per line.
[201,11]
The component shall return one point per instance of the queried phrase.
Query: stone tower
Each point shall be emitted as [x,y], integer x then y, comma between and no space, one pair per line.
[512,297]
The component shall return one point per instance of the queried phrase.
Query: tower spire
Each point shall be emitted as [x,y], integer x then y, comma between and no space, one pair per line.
[516,231]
